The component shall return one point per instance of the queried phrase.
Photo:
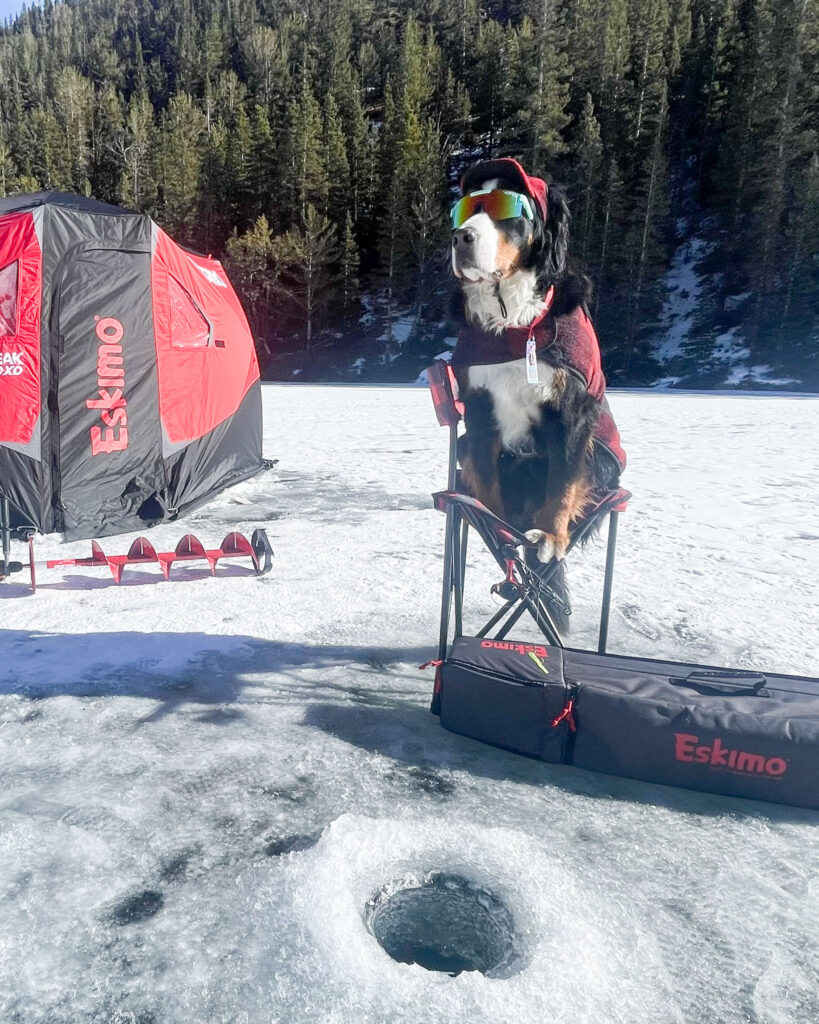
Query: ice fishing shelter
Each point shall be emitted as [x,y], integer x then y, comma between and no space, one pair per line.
[129,384]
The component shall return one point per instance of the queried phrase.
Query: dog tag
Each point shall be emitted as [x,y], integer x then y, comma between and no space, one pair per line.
[531,361]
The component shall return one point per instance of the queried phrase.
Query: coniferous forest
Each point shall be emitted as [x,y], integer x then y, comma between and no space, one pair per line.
[315,147]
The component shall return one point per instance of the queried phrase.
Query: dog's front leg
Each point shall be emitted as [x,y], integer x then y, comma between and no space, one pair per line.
[552,520]
[568,486]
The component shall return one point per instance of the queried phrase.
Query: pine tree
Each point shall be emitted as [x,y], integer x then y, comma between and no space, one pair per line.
[230,95]
[138,70]
[305,178]
[418,68]
[262,170]
[7,168]
[493,71]
[456,109]
[107,145]
[678,36]
[613,70]
[392,227]
[336,165]
[214,49]
[307,257]
[239,159]
[585,29]
[251,263]
[219,202]
[800,270]
[49,159]
[647,253]
[188,64]
[178,155]
[261,52]
[700,104]
[544,92]
[612,215]
[649,26]
[588,150]
[744,76]
[347,94]
[428,223]
[350,268]
[137,186]
[781,144]
[73,110]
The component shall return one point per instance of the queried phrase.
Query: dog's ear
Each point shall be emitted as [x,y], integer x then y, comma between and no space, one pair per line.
[556,235]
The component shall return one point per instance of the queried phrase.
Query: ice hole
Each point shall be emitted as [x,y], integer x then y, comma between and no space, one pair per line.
[443,923]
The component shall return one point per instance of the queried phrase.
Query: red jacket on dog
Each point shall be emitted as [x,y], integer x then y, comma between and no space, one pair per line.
[567,341]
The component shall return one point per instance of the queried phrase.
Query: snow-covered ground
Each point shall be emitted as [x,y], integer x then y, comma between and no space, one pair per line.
[203,781]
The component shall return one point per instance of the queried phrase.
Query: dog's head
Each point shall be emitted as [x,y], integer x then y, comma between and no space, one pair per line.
[507,221]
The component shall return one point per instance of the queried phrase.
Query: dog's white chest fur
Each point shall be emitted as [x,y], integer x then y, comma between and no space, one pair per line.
[517,404]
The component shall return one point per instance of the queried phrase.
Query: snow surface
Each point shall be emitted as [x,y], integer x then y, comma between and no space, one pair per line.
[203,781]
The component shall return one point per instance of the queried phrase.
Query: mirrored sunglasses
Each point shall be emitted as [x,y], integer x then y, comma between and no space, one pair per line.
[496,203]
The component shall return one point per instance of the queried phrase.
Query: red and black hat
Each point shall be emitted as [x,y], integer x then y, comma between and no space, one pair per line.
[510,170]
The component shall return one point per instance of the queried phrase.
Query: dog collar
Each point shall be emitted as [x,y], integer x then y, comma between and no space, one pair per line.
[547,305]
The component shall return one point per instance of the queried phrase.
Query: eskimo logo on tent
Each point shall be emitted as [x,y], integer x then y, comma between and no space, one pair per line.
[718,756]
[211,275]
[111,390]
[11,364]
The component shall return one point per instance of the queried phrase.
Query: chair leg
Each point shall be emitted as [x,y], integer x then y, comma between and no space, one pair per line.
[607,581]
[460,578]
[457,580]
[452,525]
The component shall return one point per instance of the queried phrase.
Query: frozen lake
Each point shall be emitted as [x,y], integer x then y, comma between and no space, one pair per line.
[203,782]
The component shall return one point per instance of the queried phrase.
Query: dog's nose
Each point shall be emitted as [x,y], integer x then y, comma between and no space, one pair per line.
[466,236]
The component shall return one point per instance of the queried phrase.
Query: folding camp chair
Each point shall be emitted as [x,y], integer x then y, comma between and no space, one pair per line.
[526,584]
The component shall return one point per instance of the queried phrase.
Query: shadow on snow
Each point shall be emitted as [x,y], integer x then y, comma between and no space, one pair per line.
[373,700]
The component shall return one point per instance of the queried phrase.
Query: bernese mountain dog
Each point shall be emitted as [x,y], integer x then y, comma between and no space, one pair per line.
[539,441]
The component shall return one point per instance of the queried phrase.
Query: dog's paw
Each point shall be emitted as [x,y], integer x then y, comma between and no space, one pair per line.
[546,545]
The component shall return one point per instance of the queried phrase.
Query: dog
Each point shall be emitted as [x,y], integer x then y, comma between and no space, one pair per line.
[539,440]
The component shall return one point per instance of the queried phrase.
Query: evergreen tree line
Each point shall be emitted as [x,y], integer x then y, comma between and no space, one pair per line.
[315,146]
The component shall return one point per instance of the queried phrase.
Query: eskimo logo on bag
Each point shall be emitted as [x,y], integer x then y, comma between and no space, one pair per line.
[687,748]
[113,436]
[502,645]
[11,364]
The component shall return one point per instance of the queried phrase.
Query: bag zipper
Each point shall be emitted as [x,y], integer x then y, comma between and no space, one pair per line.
[500,675]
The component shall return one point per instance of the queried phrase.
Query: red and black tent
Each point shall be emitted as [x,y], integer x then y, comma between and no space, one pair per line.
[129,384]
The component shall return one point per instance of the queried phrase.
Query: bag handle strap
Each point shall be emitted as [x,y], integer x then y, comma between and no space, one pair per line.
[724,682]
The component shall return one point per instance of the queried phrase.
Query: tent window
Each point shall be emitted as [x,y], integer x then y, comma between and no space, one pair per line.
[8,300]
[190,328]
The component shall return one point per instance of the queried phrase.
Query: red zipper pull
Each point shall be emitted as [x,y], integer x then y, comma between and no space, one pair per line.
[568,714]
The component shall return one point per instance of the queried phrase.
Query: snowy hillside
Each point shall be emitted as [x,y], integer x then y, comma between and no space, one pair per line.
[700,340]
[204,781]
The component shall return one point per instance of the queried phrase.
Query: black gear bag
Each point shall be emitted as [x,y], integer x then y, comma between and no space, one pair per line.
[744,734]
